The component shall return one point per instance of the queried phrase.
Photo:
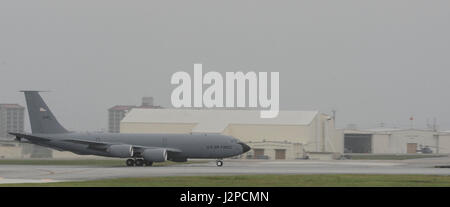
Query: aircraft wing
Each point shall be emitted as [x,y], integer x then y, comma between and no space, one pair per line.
[29,137]
[105,145]
[90,144]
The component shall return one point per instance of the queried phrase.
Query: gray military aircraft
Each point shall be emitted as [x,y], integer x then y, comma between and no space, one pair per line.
[139,149]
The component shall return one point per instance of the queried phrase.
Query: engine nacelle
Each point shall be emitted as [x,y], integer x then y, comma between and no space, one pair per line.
[122,151]
[155,155]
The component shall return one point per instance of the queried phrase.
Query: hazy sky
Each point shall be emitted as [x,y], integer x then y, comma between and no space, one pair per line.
[373,61]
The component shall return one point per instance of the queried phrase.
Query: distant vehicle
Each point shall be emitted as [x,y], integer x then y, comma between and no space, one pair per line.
[139,149]
[260,157]
[425,150]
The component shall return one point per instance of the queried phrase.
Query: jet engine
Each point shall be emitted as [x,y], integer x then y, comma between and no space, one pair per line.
[155,155]
[122,151]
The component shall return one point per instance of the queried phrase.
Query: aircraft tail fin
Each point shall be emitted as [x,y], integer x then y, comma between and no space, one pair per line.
[42,119]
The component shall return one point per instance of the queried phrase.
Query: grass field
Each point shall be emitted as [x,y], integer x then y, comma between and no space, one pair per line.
[262,181]
[87,162]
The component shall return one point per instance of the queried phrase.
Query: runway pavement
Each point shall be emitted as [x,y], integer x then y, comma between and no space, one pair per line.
[45,173]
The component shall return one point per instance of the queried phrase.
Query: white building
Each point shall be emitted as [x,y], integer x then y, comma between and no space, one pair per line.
[396,141]
[287,136]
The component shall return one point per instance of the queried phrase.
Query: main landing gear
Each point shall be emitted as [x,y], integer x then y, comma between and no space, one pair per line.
[219,163]
[138,162]
[130,162]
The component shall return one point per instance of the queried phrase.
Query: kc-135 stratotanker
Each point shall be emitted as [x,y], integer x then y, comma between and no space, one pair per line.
[138,149]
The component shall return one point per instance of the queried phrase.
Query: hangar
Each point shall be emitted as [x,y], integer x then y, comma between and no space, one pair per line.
[396,141]
[288,136]
[444,142]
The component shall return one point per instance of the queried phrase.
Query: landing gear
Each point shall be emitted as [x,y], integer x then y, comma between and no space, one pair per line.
[130,162]
[139,162]
[219,163]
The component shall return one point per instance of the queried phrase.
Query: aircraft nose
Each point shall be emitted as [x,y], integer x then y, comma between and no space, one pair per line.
[245,147]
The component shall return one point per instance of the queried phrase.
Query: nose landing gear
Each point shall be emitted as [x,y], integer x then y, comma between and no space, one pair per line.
[219,163]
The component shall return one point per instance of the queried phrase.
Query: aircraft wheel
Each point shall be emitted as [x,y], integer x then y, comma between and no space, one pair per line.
[130,162]
[148,163]
[219,163]
[139,162]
